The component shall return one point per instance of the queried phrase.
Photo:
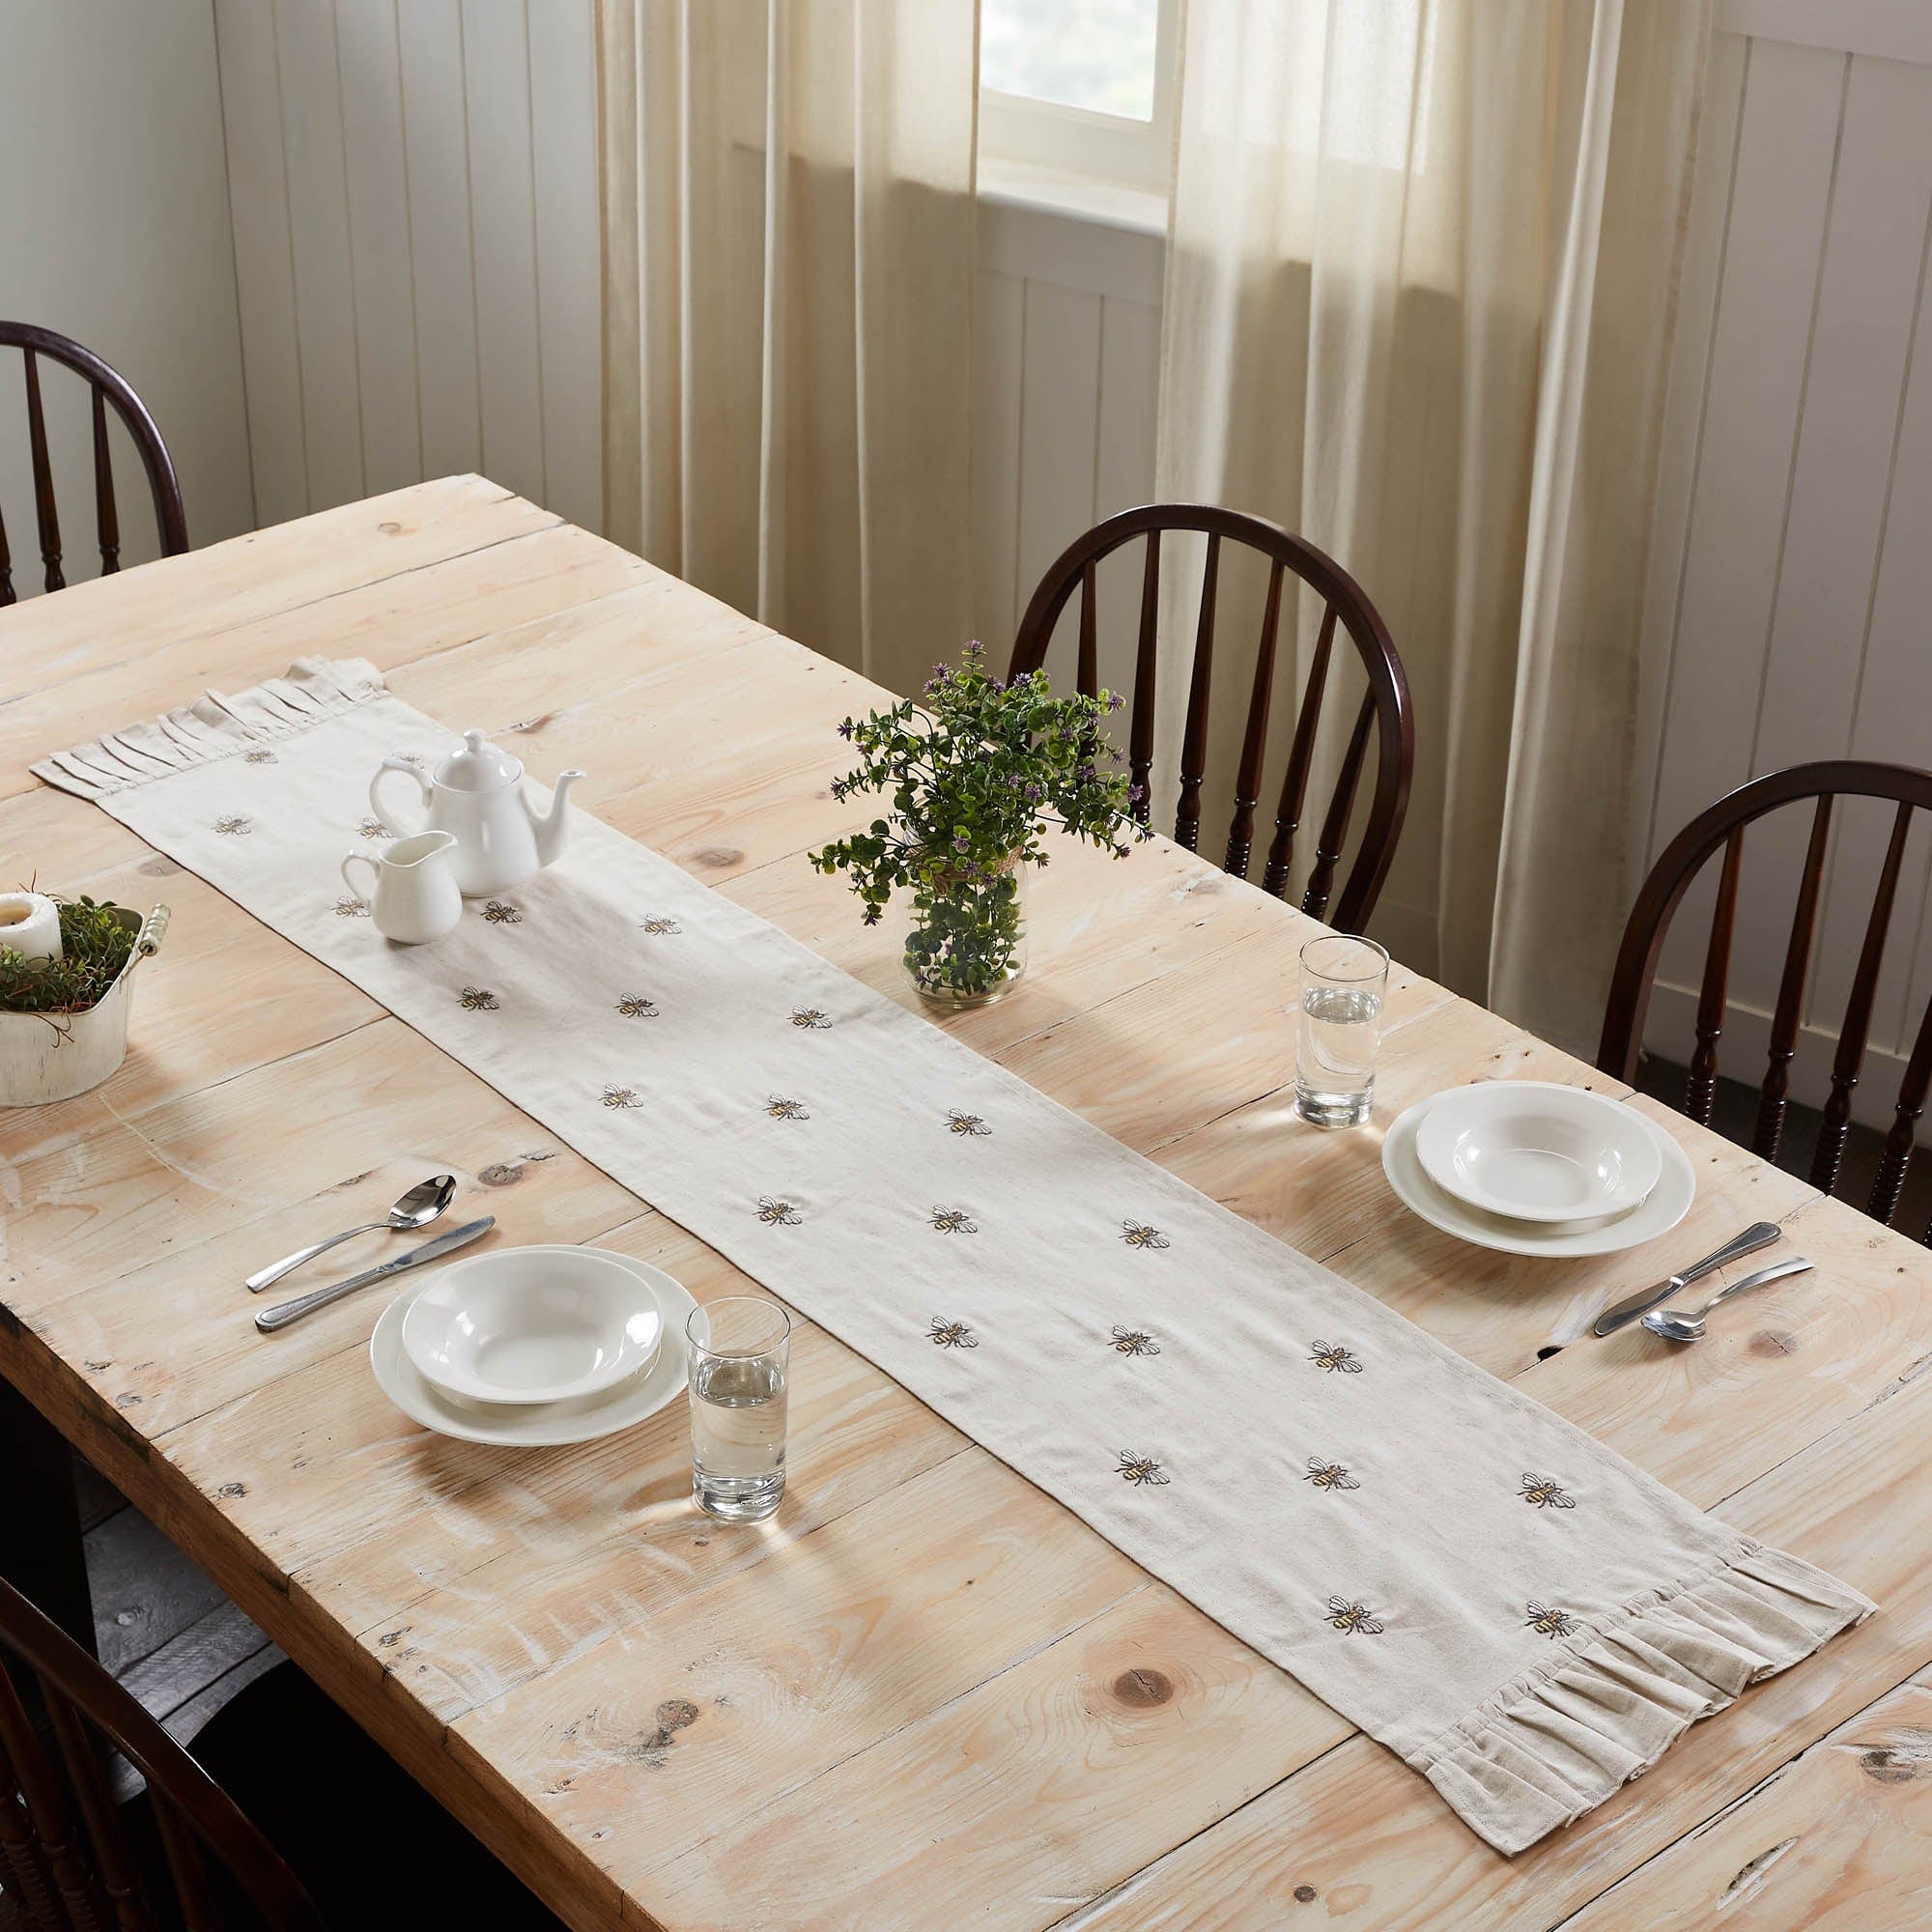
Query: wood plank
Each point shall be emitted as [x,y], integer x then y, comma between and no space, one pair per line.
[1751,408]
[495,80]
[258,204]
[377,169]
[116,621]
[1356,1826]
[325,275]
[1836,1838]
[569,255]
[436,605]
[435,142]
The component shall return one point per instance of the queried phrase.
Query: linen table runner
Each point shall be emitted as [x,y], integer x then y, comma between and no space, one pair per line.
[1522,1614]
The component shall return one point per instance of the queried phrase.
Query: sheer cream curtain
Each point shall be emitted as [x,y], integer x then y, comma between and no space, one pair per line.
[1421,280]
[788,231]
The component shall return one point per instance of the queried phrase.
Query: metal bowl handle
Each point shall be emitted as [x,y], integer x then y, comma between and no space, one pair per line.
[153,930]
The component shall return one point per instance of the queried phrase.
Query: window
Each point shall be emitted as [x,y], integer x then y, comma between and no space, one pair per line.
[1080,86]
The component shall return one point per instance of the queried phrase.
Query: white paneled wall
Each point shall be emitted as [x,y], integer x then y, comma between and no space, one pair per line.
[414,192]
[1789,614]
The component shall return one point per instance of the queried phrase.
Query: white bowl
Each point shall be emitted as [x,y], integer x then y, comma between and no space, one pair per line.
[542,1425]
[1661,1210]
[1536,1150]
[550,1324]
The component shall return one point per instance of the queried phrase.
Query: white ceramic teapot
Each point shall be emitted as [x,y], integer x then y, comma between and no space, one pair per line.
[477,795]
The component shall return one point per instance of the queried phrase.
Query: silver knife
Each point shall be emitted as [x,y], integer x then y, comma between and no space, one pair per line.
[1759,1235]
[285,1312]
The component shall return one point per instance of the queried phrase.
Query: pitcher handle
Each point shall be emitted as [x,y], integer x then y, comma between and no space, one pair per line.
[380,812]
[375,876]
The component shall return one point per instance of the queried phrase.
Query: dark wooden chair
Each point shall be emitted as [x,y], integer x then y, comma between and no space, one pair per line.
[1724,825]
[108,386]
[69,1853]
[1384,710]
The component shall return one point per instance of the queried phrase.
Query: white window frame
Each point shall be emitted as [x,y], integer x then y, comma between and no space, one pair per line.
[1029,133]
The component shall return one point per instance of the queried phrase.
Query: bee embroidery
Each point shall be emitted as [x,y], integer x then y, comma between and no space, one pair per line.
[478,1000]
[1137,1234]
[965,1123]
[500,913]
[953,1221]
[1546,1621]
[372,828]
[1133,1342]
[348,908]
[1539,1492]
[1330,1475]
[235,825]
[257,758]
[657,924]
[810,1017]
[953,1334]
[776,1213]
[1139,1470]
[1333,1357]
[621,1097]
[1348,1618]
[786,1110]
[635,1007]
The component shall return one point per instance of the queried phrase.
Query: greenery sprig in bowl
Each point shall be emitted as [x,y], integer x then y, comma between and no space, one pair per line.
[96,941]
[976,774]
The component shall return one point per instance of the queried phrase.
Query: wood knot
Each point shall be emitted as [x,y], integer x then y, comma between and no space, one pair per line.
[230,1491]
[675,1713]
[1304,1894]
[718,855]
[501,1173]
[1773,1342]
[1141,1690]
[1899,1763]
[157,867]
[388,527]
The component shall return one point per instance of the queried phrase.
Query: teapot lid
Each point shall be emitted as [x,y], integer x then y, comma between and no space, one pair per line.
[477,767]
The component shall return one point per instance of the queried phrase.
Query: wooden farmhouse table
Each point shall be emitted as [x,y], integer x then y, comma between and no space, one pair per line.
[924,1696]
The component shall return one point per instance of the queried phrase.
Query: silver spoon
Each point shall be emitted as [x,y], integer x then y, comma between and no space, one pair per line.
[1687,1324]
[416,1208]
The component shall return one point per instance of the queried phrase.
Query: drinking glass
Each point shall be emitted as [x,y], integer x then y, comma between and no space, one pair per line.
[740,1367]
[1342,984]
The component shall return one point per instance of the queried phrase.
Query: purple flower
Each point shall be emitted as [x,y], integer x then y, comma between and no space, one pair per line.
[1085,774]
[1033,794]
[960,841]
[1039,860]
[1135,793]
[1115,700]
[847,729]
[974,648]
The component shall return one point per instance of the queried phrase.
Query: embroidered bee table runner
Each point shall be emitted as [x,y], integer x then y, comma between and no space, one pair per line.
[1525,1616]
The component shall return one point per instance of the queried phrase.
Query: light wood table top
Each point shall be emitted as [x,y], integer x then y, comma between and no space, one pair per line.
[926,1695]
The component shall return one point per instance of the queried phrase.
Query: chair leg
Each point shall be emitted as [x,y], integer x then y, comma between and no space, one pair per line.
[41,1550]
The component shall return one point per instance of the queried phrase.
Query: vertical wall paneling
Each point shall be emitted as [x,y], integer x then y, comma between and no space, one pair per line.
[264,285]
[377,173]
[436,136]
[325,278]
[1784,616]
[502,221]
[563,150]
[999,321]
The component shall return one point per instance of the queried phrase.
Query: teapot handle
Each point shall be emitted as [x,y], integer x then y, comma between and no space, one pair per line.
[378,808]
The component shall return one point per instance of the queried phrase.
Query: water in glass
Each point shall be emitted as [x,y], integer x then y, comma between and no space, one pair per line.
[1338,1030]
[739,1380]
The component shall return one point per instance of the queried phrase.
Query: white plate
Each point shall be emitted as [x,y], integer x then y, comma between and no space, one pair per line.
[1660,1211]
[553,1323]
[547,1424]
[1536,1150]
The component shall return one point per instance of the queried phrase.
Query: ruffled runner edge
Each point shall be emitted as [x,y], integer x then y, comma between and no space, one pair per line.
[1554,1745]
[214,727]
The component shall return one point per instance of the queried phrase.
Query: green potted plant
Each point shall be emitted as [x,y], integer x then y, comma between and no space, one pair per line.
[976,774]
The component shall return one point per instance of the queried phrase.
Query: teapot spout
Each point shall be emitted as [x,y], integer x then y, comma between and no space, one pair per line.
[552,828]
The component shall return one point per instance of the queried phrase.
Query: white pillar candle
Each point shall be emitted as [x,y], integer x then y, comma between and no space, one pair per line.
[29,923]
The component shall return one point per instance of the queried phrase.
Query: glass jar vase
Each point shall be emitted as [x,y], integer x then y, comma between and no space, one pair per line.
[965,942]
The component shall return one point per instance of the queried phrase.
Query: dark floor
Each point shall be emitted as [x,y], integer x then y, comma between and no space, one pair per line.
[1735,1117]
